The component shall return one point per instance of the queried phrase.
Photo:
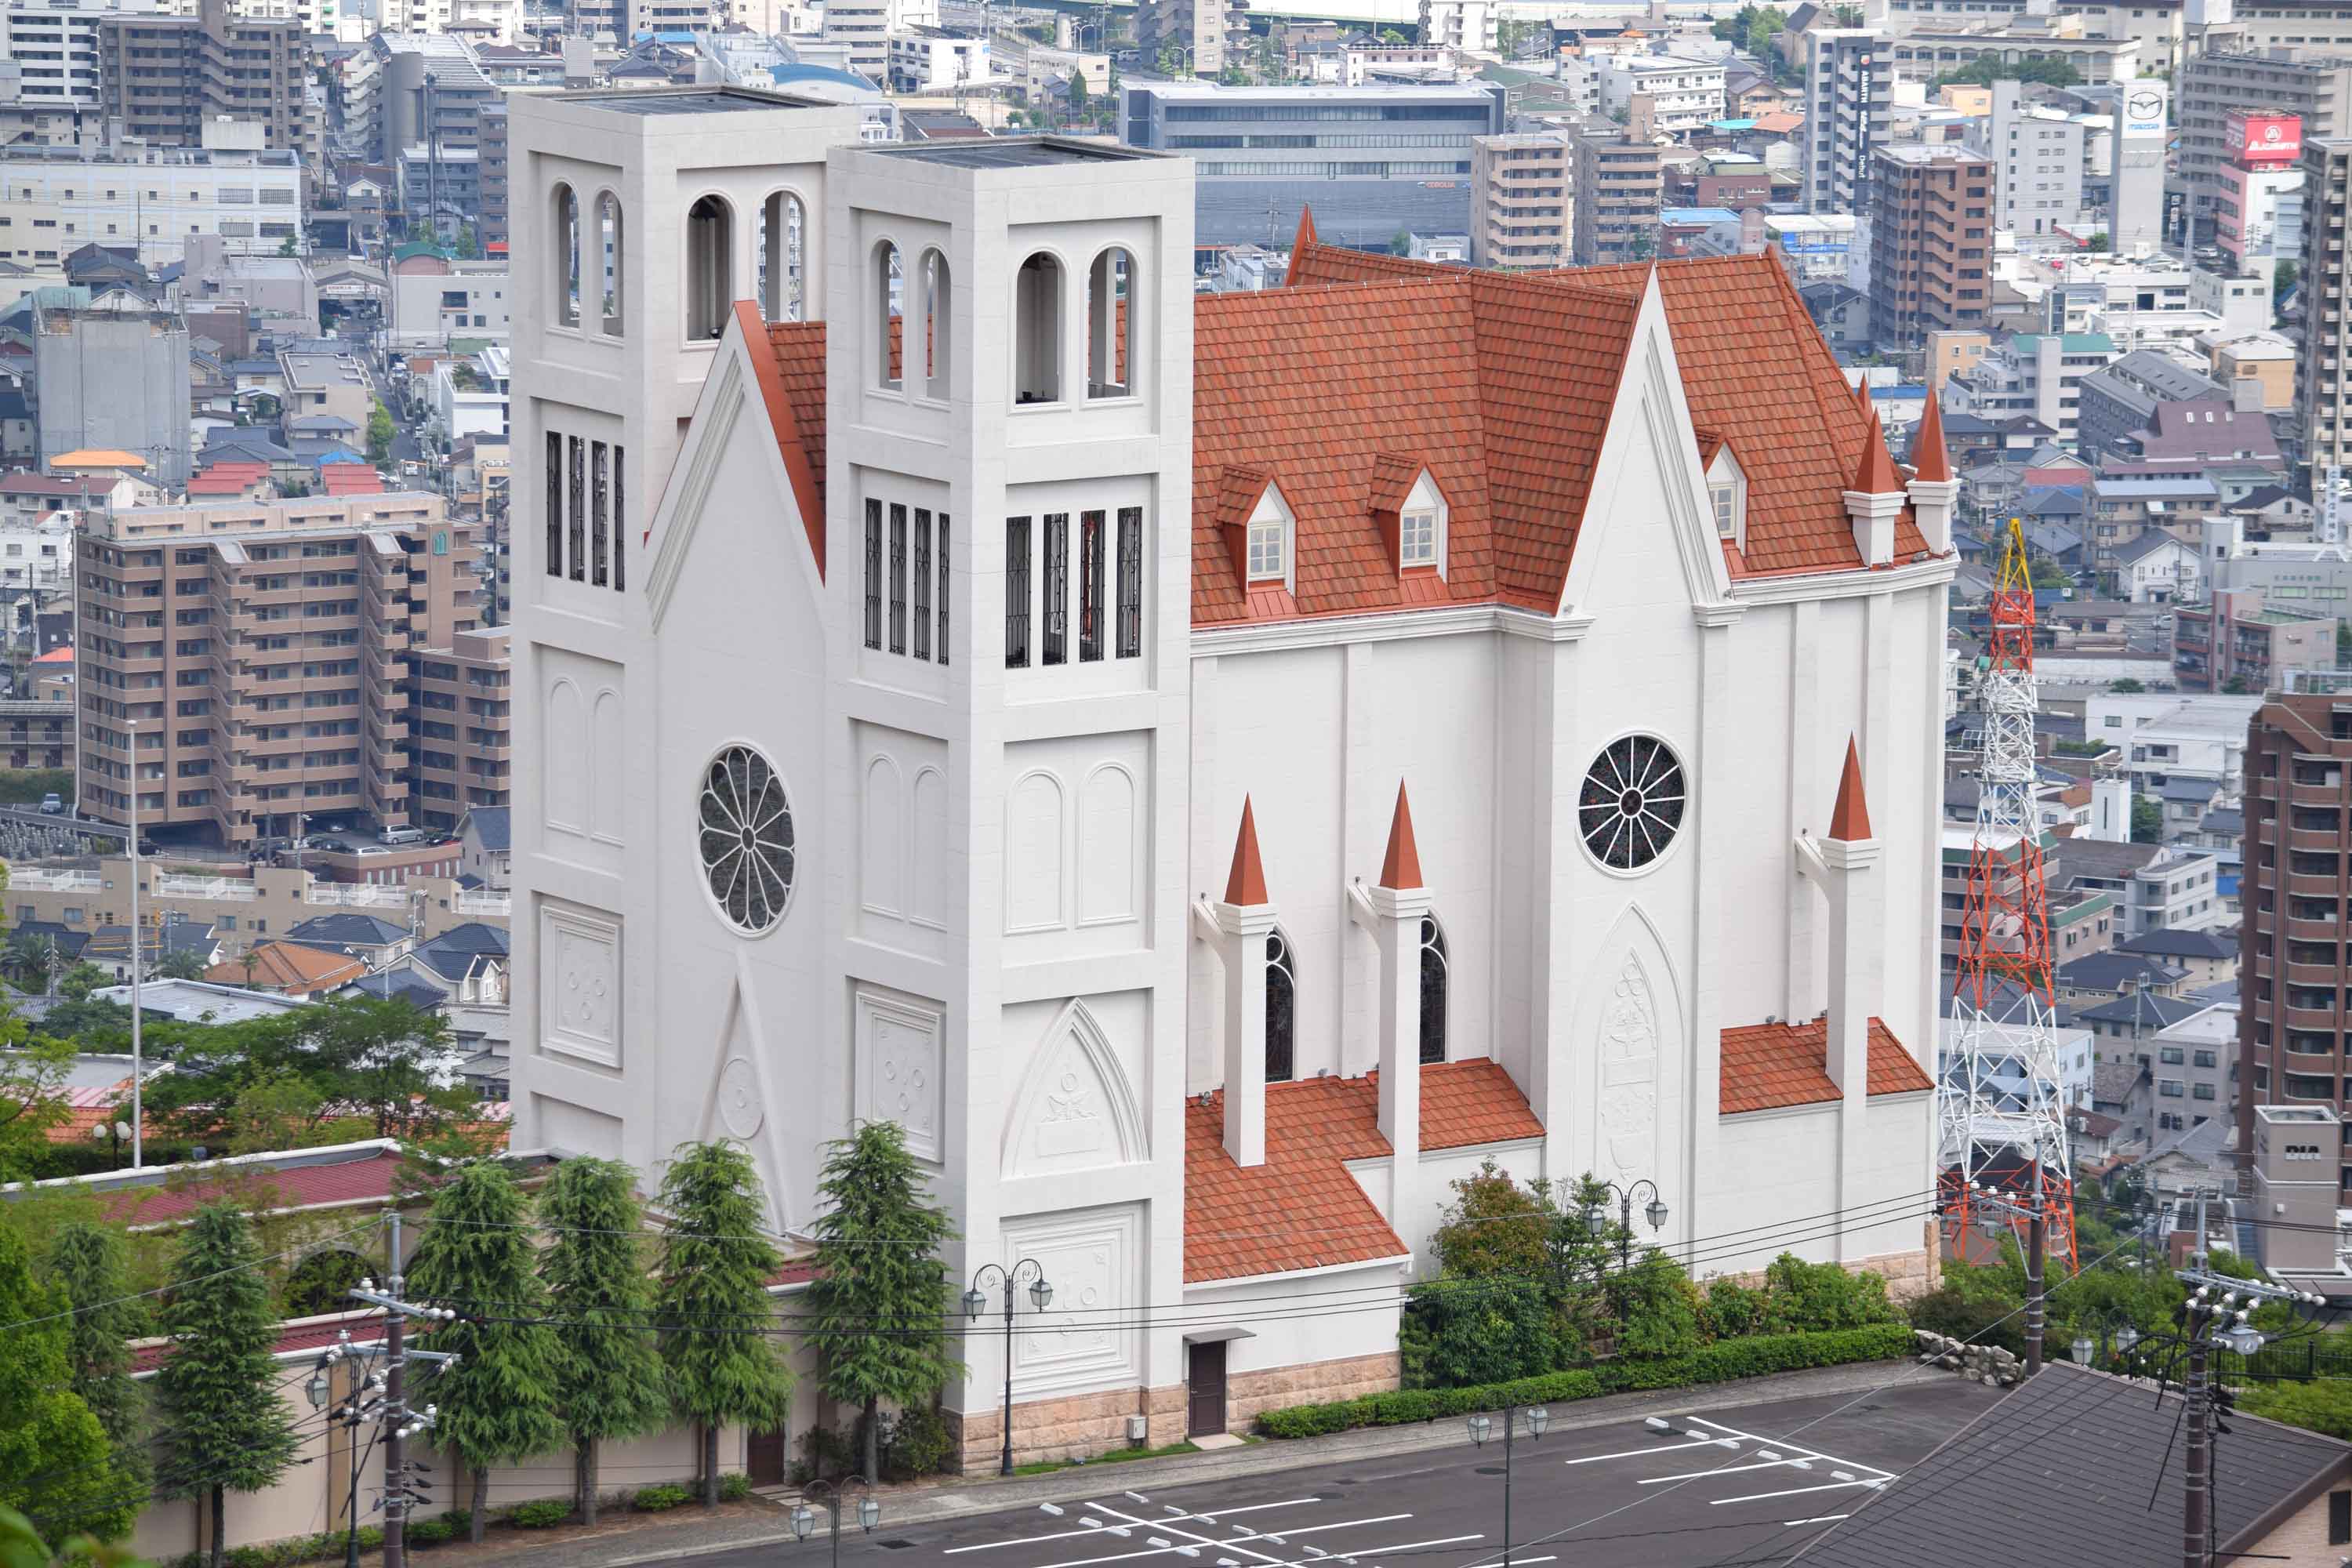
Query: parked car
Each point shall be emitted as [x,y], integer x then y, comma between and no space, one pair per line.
[400,835]
[53,805]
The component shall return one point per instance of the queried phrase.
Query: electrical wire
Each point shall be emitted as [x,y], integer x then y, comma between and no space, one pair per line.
[261,1261]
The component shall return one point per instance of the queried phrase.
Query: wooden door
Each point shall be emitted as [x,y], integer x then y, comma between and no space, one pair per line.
[765,1459]
[1206,1376]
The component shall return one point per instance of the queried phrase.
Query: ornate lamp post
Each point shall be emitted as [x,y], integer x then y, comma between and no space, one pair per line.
[975,1302]
[1596,1219]
[834,1494]
[1482,1428]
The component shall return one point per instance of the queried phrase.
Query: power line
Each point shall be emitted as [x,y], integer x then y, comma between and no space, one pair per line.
[181,1284]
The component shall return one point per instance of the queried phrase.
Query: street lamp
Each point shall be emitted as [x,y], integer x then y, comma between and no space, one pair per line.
[975,1302]
[1596,1219]
[1482,1428]
[869,1511]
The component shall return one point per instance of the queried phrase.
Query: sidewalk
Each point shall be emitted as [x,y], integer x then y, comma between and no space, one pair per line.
[640,1539]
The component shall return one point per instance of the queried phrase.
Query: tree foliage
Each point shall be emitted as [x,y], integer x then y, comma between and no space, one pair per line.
[91,1267]
[717,1261]
[1984,72]
[608,1370]
[1751,28]
[879,1304]
[2324,1406]
[380,430]
[2146,820]
[21,1546]
[224,1427]
[32,1094]
[498,1399]
[379,1060]
[56,1464]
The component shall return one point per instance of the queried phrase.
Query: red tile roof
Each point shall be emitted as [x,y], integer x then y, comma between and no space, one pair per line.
[1302,1209]
[1401,868]
[1767,1066]
[366,1174]
[1756,373]
[294,1337]
[802,345]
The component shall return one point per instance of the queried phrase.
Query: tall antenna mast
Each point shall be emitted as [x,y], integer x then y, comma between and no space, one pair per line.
[2000,1105]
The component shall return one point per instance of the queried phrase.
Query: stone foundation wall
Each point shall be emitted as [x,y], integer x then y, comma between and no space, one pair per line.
[1908,1275]
[1083,1425]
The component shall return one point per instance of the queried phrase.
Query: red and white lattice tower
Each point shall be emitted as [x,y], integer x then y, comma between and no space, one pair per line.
[2001,1106]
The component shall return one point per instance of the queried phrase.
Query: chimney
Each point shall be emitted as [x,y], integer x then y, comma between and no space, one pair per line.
[1934,491]
[1877,499]
[1244,920]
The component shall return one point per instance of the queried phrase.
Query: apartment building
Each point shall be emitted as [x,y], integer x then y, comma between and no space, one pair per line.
[259,654]
[55,48]
[1926,53]
[2316,89]
[54,200]
[1521,200]
[2295,1006]
[434,301]
[2037,159]
[2324,375]
[1683,94]
[865,29]
[165,78]
[1931,239]
[1619,184]
[2236,642]
[461,745]
[1849,115]
[260,905]
[1201,32]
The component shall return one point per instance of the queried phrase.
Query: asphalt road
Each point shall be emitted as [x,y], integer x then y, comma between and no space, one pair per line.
[1745,1486]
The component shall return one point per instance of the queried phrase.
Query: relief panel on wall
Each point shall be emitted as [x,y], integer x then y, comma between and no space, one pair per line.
[899,1066]
[1075,1109]
[1077,835]
[903,871]
[580,984]
[1093,1260]
[581,747]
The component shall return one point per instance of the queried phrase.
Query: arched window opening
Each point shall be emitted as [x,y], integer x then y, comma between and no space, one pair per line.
[1281,1009]
[709,267]
[890,308]
[1037,331]
[608,240]
[1110,325]
[939,324]
[564,219]
[1433,991]
[782,259]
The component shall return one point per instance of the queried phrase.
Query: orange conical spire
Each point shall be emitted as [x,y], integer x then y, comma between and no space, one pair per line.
[1246,884]
[1930,460]
[1306,235]
[1877,476]
[1850,819]
[1861,398]
[1401,871]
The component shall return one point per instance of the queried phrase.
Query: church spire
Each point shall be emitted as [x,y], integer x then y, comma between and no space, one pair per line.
[1245,887]
[1850,819]
[1400,871]
[1930,458]
[1877,475]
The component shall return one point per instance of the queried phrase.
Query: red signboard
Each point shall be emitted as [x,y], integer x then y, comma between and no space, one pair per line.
[2265,137]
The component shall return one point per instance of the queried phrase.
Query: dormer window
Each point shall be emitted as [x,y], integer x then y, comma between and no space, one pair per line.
[1420,525]
[1726,488]
[1269,539]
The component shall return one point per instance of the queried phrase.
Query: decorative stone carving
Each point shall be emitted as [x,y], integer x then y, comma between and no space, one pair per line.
[898,1066]
[1092,1259]
[580,984]
[739,1110]
[1629,1075]
[1075,1109]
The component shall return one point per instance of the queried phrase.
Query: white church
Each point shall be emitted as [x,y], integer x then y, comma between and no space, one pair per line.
[1214,770]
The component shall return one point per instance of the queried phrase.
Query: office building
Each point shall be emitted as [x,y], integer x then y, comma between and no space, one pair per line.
[2258,207]
[2317,90]
[1931,240]
[2295,1000]
[114,381]
[2037,163]
[2238,642]
[2324,374]
[1924,54]
[864,27]
[1373,162]
[264,653]
[1849,115]
[1619,189]
[1522,199]
[427,91]
[1198,36]
[461,745]
[62,198]
[165,78]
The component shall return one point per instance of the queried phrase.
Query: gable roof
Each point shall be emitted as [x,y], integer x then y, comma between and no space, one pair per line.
[2170,941]
[349,926]
[788,360]
[291,968]
[491,825]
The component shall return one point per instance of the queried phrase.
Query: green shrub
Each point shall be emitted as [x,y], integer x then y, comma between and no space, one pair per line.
[1657,1309]
[734,1487]
[659,1498]
[915,1442]
[248,1557]
[543,1513]
[1819,1296]
[1464,1332]
[433,1531]
[826,1454]
[1733,1310]
[371,1537]
[1720,1362]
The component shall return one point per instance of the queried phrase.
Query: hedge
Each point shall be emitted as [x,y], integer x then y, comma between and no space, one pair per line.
[1722,1361]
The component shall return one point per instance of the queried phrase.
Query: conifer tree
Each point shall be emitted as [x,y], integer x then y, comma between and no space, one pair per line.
[608,1372]
[89,1264]
[56,1464]
[498,1402]
[713,1301]
[880,1302]
[217,1392]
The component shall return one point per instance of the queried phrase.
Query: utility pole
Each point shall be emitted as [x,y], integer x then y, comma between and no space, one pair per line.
[2216,1312]
[1996,1211]
[400,1422]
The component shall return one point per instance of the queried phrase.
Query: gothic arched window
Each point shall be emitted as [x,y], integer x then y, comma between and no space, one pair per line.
[1432,990]
[1281,1009]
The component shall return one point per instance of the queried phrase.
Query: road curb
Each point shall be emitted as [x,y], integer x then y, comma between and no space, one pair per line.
[972,1499]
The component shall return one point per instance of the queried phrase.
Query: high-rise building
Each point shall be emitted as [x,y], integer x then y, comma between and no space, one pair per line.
[2258,211]
[55,48]
[2316,89]
[113,381]
[1849,115]
[864,27]
[2324,374]
[2037,160]
[1931,240]
[2292,1015]
[1522,195]
[263,653]
[1619,188]
[166,77]
[461,744]
[1200,31]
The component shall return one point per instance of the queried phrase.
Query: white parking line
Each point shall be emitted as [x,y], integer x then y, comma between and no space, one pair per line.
[1662,1449]
[1795,1491]
[1773,1444]
[1727,1470]
[1100,1529]
[1817,1519]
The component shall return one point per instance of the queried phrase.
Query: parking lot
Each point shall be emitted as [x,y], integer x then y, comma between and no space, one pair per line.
[1686,1487]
